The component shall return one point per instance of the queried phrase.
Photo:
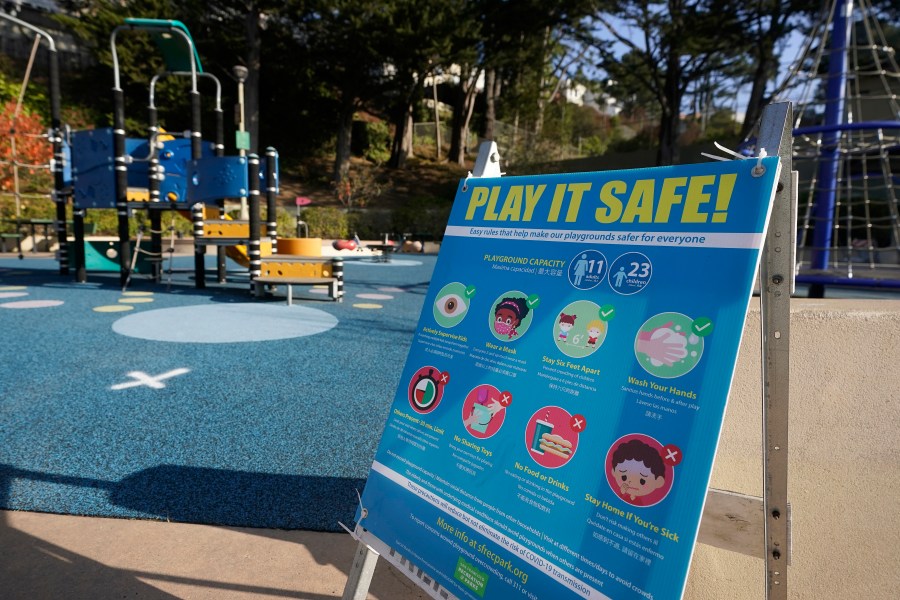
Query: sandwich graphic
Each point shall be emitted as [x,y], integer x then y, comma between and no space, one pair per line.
[556,445]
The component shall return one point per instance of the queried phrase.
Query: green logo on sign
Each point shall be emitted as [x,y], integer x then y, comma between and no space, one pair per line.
[470,576]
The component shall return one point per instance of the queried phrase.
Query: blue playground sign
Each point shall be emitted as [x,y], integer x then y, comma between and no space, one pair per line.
[554,428]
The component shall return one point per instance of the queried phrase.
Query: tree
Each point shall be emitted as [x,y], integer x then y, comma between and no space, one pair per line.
[346,43]
[226,33]
[230,32]
[678,42]
[519,47]
[375,56]
[94,21]
[766,23]
[425,33]
[464,96]
[23,144]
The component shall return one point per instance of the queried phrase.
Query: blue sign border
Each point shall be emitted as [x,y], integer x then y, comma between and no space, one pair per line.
[571,452]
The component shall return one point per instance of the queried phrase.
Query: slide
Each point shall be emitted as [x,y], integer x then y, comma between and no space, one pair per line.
[237,253]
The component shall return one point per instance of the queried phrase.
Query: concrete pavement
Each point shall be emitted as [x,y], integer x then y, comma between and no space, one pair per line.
[49,557]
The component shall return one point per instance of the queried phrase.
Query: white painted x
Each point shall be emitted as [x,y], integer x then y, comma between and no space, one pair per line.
[670,455]
[577,423]
[141,378]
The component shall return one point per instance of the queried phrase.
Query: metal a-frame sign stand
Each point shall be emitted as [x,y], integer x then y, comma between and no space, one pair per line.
[750,525]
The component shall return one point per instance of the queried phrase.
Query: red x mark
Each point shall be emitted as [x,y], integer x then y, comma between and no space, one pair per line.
[445,377]
[671,454]
[578,423]
[505,398]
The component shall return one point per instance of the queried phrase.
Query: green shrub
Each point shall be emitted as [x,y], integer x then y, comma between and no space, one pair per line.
[594,145]
[326,222]
[285,223]
[422,216]
[372,141]
[370,224]
[105,221]
[29,208]
[379,148]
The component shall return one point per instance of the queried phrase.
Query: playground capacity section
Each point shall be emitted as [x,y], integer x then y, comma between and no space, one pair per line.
[554,428]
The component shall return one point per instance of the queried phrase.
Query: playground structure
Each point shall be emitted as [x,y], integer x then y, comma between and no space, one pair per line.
[102,168]
[185,175]
[845,86]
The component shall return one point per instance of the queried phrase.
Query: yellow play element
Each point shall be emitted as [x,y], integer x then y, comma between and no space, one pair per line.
[300,246]
[290,272]
[134,194]
[164,136]
[226,228]
[295,268]
[219,225]
[231,229]
[209,212]
[239,254]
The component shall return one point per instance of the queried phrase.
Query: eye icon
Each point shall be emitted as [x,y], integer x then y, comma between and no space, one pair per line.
[451,305]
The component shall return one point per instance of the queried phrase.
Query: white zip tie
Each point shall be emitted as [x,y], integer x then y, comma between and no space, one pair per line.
[364,512]
[725,150]
[757,171]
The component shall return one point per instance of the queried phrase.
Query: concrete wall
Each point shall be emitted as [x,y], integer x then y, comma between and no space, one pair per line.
[844,477]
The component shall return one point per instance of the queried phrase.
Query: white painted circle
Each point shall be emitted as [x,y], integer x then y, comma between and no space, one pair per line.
[394,262]
[225,323]
[32,304]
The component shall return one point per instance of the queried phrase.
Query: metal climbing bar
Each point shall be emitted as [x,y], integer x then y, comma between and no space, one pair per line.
[179,51]
[830,146]
[846,150]
[57,164]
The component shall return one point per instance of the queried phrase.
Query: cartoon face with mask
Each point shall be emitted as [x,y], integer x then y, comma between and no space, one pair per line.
[508,315]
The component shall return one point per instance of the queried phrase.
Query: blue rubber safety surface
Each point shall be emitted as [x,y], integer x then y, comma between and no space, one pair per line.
[201,406]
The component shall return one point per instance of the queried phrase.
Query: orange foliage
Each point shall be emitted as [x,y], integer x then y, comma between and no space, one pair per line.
[31,149]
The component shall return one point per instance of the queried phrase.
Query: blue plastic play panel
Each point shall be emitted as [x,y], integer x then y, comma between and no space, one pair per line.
[213,178]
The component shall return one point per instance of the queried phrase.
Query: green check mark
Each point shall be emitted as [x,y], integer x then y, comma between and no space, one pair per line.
[532,301]
[470,291]
[607,312]
[702,326]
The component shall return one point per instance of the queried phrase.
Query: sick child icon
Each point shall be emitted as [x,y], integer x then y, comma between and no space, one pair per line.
[637,472]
